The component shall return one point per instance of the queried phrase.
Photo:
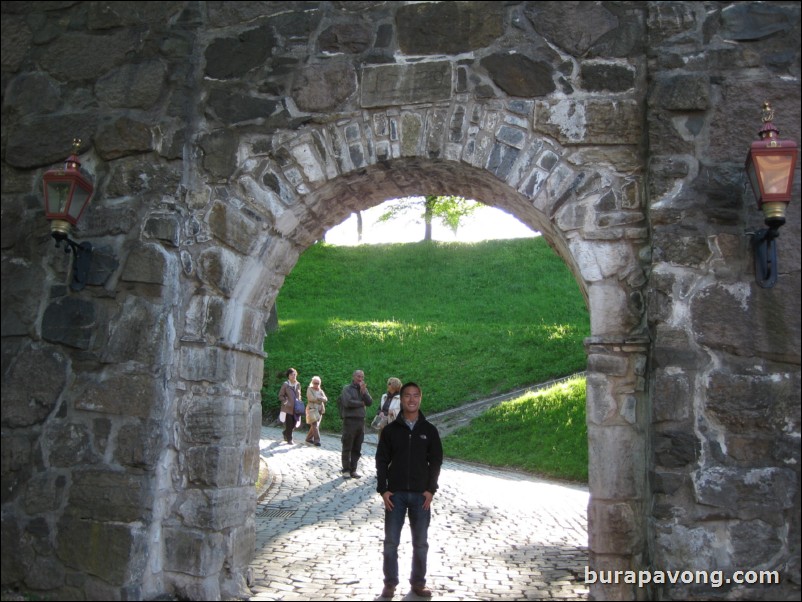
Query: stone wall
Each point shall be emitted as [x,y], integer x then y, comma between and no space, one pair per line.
[725,353]
[225,138]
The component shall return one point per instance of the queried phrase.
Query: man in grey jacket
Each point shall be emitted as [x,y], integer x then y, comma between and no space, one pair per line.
[353,401]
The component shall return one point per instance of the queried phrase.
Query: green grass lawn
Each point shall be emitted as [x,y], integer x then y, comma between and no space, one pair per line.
[543,432]
[464,320]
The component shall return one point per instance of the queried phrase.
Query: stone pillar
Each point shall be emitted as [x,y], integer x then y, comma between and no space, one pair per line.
[617,418]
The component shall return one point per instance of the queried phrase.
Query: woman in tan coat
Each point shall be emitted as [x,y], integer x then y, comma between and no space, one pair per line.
[315,408]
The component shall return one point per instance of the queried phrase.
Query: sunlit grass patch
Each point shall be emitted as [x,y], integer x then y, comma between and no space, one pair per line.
[557,332]
[543,432]
[375,331]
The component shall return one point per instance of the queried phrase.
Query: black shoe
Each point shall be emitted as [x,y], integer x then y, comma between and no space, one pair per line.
[317,443]
[356,475]
[388,591]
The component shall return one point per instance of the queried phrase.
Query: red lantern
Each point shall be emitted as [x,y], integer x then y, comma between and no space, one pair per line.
[67,194]
[770,165]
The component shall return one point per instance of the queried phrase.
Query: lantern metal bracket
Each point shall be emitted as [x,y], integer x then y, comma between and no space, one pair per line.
[765,248]
[82,259]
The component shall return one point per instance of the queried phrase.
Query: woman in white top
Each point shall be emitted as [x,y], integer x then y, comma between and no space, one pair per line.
[391,401]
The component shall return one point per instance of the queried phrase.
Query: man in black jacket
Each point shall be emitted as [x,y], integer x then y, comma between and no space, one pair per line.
[408,461]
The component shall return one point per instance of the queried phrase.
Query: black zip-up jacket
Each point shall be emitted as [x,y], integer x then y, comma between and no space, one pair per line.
[409,460]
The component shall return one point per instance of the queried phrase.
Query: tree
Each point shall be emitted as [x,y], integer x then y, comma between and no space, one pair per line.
[450,210]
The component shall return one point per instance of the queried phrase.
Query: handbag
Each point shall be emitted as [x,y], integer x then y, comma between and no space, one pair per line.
[379,422]
[298,406]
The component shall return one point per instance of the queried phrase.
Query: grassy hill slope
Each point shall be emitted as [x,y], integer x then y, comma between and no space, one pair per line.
[466,321]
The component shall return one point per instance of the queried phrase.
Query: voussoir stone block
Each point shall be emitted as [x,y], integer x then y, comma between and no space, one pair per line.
[232,227]
[219,268]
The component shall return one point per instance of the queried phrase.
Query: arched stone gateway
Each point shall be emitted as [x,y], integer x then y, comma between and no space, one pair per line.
[225,138]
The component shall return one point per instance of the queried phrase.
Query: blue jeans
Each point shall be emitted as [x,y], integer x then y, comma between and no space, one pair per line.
[406,502]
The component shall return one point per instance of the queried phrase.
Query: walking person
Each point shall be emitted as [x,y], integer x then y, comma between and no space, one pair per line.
[408,461]
[315,408]
[353,400]
[291,405]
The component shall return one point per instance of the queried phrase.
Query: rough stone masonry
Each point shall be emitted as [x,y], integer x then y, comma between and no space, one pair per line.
[224,138]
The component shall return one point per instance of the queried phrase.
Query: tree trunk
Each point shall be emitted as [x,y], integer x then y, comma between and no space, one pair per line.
[427,218]
[359,226]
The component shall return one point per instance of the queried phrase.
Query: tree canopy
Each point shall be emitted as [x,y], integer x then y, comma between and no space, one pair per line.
[450,210]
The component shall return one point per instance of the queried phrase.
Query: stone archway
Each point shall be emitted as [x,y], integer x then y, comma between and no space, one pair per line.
[312,179]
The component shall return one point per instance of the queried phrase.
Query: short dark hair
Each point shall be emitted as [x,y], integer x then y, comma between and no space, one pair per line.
[410,384]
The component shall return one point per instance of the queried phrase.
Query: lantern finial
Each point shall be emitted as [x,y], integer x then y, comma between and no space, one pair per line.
[768,112]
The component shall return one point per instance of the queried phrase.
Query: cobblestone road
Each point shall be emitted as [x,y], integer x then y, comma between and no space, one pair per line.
[495,535]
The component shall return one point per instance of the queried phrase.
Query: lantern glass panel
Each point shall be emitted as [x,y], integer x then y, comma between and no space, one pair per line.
[58,194]
[775,172]
[79,199]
